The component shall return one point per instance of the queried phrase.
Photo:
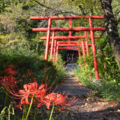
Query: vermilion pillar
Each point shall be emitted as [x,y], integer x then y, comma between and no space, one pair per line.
[79,54]
[93,49]
[52,45]
[48,39]
[85,34]
[83,51]
[87,49]
[57,49]
[55,45]
[83,48]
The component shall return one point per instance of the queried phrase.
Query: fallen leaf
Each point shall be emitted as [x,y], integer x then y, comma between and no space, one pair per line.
[59,109]
[105,113]
[86,104]
[67,108]
[118,110]
[73,90]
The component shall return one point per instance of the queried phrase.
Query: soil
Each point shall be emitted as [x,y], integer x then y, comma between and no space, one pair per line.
[93,108]
[89,107]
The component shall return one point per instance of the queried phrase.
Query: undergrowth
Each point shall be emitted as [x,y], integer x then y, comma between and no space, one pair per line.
[108,86]
[26,59]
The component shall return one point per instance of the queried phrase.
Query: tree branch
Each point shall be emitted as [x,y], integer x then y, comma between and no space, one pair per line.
[82,10]
[57,11]
[116,6]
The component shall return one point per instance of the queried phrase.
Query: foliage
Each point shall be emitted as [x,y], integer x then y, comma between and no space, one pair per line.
[108,85]
[83,73]
[26,59]
[86,7]
[2,115]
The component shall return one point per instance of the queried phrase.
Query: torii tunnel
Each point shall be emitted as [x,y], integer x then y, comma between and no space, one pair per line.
[55,45]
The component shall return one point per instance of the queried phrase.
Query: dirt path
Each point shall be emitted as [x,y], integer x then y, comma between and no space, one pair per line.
[89,106]
[71,84]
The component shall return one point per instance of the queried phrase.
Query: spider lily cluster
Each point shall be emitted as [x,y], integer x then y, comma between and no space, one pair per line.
[31,93]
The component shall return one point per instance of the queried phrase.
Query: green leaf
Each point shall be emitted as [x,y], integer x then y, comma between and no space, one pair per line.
[1,117]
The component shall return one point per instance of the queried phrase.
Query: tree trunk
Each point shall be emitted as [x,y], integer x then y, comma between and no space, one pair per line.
[111,29]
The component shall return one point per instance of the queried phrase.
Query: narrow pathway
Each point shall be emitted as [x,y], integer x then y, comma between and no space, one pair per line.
[71,84]
[89,106]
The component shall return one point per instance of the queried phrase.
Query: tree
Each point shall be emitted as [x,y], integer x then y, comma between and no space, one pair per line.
[6,3]
[111,28]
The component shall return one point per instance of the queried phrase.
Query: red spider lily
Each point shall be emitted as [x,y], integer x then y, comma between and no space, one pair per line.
[61,100]
[57,99]
[29,90]
[47,100]
[8,81]
[44,101]
[11,66]
[9,71]
[23,76]
[31,75]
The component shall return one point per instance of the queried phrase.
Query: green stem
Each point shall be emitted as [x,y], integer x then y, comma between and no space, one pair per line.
[29,108]
[5,100]
[34,110]
[52,112]
[24,112]
[5,103]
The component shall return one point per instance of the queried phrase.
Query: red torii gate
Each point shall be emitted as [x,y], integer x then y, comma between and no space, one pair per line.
[90,28]
[62,45]
[67,43]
